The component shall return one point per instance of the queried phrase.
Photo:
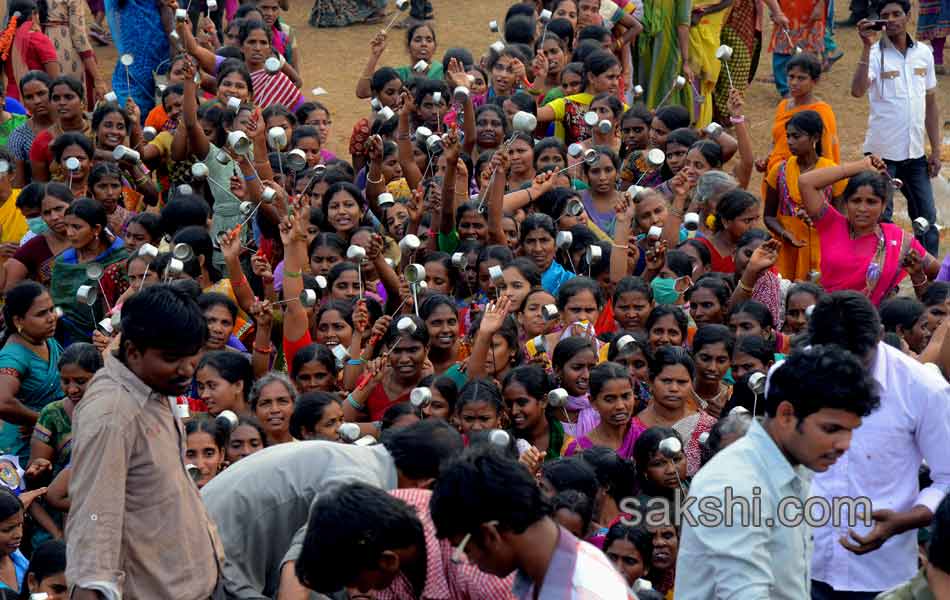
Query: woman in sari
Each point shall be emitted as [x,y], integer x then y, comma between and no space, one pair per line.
[707,20]
[29,373]
[34,259]
[805,34]
[601,74]
[28,49]
[137,29]
[91,242]
[857,251]
[66,103]
[803,72]
[663,49]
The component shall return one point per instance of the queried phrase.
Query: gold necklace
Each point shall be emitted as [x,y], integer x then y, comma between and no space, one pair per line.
[703,403]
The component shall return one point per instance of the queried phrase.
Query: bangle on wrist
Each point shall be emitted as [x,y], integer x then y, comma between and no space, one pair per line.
[293,274]
[676,212]
[353,402]
[236,283]
[374,181]
[737,119]
[269,350]
[745,288]
[250,177]
[354,362]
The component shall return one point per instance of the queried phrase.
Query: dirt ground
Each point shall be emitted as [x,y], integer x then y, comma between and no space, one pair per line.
[334,59]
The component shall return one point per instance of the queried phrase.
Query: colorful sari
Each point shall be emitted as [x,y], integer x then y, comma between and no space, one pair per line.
[829,134]
[79,320]
[569,125]
[738,32]
[601,224]
[805,32]
[795,263]
[658,58]
[703,42]
[634,429]
[341,13]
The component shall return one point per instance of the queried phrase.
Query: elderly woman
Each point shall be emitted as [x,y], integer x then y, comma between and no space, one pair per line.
[858,252]
[272,401]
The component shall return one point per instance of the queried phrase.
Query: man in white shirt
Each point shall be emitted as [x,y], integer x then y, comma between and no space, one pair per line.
[898,75]
[912,424]
[813,402]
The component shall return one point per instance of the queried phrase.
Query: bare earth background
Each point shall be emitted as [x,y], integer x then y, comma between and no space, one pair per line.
[334,60]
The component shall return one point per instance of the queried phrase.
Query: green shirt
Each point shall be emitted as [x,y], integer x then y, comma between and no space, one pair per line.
[435,72]
[55,429]
[7,127]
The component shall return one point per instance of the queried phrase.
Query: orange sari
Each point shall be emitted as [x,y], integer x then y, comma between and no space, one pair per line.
[829,135]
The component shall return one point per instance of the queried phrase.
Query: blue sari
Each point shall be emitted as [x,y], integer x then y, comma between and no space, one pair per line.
[39,385]
[136,27]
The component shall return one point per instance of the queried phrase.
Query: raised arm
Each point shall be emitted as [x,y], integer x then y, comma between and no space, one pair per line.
[293,234]
[495,197]
[743,170]
[811,183]
[619,261]
[197,141]
[862,78]
[206,58]
[492,320]
[405,140]
[376,47]
[451,153]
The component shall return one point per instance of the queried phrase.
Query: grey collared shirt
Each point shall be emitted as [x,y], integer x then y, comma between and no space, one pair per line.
[137,528]
[261,504]
[761,558]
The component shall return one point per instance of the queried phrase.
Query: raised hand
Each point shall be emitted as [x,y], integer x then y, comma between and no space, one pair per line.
[656,256]
[374,149]
[764,257]
[260,266]
[540,66]
[263,313]
[494,316]
[736,102]
[378,44]
[360,316]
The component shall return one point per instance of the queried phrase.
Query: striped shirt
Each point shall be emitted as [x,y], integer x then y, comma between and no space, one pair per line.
[444,579]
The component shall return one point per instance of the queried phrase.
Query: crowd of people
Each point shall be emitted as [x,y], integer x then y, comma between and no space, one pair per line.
[507,345]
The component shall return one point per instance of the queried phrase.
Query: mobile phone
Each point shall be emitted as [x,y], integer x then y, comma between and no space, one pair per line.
[878,25]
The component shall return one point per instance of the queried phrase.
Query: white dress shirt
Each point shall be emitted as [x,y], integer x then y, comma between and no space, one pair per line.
[897,98]
[768,561]
[912,423]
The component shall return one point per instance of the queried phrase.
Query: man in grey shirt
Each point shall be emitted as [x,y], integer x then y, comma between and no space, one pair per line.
[262,502]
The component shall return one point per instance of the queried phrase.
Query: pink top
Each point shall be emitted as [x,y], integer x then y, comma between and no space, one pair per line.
[844,262]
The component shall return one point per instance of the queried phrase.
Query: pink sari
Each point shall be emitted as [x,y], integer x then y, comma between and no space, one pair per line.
[862,264]
[634,429]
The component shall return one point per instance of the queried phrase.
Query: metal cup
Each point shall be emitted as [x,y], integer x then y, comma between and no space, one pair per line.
[434,144]
[679,82]
[308,298]
[415,273]
[713,129]
[637,91]
[148,250]
[724,52]
[386,113]
[277,138]
[183,252]
[420,66]
[496,275]
[605,126]
[406,326]
[575,150]
[72,164]
[654,233]
[691,221]
[234,104]
[349,432]
[460,261]
[87,294]
[385,199]
[356,254]
[591,118]
[921,226]
[296,160]
[757,383]
[340,355]
[593,255]
[436,97]
[460,94]
[125,153]
[127,60]
[321,282]
[227,420]
[175,268]
[591,156]
[420,397]
[549,312]
[268,195]
[239,142]
[409,244]
[222,158]
[111,97]
[557,397]
[524,121]
[499,437]
[564,240]
[272,65]
[703,437]
[574,208]
[498,47]
[423,134]
[545,15]
[624,341]
[246,208]
[493,26]
[670,447]
[181,15]
[656,157]
[185,190]
[94,271]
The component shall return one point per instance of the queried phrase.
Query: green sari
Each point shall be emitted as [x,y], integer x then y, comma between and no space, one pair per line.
[39,385]
[79,320]
[658,60]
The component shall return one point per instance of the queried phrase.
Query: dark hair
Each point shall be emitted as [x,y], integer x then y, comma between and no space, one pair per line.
[730,423]
[667,356]
[49,558]
[211,299]
[537,221]
[182,211]
[575,286]
[18,301]
[305,131]
[231,366]
[616,475]
[569,347]
[604,372]
[104,110]
[484,485]
[577,503]
[92,213]
[509,331]
[806,62]
[639,536]
[233,65]
[648,444]
[9,503]
[876,181]
[822,376]
[732,204]
[101,171]
[313,353]
[661,310]
[714,334]
[674,117]
[71,138]
[445,386]
[937,293]
[715,283]
[599,62]
[147,314]
[84,355]
[150,222]
[421,450]
[593,32]
[705,257]
[462,55]
[345,187]
[572,473]
[200,241]
[805,287]
[632,283]
[711,151]
[639,343]
[901,312]
[32,194]
[603,151]
[396,412]
[348,530]
[756,347]
[533,378]
[218,432]
[678,262]
[308,411]
[564,31]
[520,29]
[40,76]
[808,122]
[754,309]
[478,390]
[848,319]
[72,83]
[684,136]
